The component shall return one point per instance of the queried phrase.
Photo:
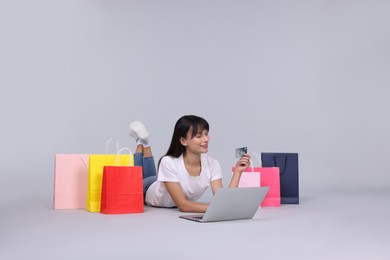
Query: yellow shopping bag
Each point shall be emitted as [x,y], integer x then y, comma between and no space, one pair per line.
[95,174]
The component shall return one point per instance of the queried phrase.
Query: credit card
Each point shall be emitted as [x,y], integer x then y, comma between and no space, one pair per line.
[241,151]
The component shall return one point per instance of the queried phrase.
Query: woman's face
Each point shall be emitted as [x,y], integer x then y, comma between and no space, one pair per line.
[197,144]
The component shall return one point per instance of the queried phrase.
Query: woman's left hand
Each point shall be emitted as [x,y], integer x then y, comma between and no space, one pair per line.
[243,163]
[240,167]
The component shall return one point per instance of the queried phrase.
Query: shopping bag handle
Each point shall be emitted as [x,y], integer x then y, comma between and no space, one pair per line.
[257,157]
[281,162]
[109,141]
[119,153]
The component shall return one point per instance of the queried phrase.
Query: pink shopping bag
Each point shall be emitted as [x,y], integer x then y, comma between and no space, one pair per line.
[261,177]
[270,177]
[70,181]
[250,178]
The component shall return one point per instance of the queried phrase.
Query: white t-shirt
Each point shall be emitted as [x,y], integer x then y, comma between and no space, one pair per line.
[172,169]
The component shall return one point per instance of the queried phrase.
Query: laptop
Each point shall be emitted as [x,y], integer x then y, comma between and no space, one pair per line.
[232,204]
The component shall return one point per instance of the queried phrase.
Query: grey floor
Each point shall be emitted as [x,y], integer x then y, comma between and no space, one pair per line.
[337,224]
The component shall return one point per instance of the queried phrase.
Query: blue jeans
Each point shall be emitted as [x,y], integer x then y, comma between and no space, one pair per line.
[149,172]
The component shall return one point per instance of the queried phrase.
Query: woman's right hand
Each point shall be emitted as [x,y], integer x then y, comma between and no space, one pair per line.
[182,203]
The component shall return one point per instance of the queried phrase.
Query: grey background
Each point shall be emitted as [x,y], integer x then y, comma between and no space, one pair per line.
[286,76]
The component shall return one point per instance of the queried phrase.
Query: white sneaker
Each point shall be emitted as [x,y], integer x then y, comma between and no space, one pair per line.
[138,130]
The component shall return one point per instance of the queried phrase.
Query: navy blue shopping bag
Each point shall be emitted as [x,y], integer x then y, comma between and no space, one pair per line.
[288,165]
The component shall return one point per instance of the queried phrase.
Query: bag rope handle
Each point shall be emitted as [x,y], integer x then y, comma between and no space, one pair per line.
[109,141]
[119,153]
[257,157]
[283,163]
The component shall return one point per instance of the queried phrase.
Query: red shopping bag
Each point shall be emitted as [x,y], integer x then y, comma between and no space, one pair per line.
[122,190]
[261,177]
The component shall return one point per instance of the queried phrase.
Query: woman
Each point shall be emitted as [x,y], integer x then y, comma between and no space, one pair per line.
[185,171]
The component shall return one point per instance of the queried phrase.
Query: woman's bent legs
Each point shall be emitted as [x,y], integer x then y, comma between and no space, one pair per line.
[148,169]
[147,163]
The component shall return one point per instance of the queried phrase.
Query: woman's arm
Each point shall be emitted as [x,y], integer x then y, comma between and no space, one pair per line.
[240,167]
[216,184]
[178,197]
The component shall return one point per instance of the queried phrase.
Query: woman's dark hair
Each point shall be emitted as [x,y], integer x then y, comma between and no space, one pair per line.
[182,127]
